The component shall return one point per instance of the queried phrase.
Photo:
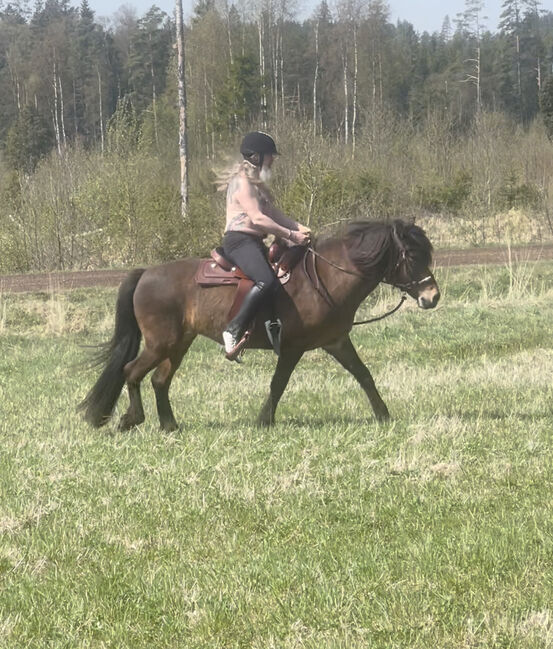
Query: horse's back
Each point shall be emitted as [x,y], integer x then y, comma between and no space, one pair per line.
[168,297]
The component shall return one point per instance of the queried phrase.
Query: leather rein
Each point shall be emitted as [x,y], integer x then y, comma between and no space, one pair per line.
[402,287]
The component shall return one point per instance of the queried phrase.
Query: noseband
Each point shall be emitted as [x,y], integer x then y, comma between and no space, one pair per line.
[402,258]
[408,285]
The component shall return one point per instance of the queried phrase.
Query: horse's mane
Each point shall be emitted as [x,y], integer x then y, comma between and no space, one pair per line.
[369,242]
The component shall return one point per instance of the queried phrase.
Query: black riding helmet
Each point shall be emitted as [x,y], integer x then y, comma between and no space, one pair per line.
[258,143]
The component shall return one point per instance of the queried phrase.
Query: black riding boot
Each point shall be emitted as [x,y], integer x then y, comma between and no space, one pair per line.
[238,325]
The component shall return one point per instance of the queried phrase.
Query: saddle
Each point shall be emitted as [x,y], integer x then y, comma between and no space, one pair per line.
[217,270]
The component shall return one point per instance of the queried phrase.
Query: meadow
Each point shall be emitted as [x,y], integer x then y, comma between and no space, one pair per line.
[327,530]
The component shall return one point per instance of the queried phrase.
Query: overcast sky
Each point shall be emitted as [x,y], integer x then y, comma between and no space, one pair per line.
[425,15]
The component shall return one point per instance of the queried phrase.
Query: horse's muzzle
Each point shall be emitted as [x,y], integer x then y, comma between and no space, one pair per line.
[429,298]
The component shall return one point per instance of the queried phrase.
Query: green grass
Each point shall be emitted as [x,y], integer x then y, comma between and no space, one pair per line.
[327,530]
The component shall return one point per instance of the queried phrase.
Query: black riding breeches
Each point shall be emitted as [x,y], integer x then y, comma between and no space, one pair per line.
[248,253]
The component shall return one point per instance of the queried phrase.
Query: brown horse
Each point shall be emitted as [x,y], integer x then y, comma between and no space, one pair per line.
[317,307]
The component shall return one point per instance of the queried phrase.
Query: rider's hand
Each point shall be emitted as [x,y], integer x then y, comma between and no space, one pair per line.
[304,229]
[299,238]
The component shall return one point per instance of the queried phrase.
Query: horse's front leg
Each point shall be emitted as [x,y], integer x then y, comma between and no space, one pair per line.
[344,352]
[285,366]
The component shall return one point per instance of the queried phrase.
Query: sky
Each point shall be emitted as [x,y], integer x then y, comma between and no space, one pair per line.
[424,15]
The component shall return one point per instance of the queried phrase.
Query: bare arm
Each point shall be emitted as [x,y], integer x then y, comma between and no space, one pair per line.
[281,218]
[249,201]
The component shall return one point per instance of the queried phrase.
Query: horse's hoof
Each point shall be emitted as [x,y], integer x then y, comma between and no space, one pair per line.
[169,426]
[126,422]
[264,421]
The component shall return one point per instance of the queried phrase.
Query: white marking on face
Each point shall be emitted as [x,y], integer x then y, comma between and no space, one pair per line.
[428,298]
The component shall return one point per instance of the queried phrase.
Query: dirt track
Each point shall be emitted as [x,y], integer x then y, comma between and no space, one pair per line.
[443,258]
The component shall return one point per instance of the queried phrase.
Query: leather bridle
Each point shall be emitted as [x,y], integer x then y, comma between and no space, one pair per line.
[402,286]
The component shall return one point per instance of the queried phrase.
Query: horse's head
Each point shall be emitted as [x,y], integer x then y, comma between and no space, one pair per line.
[401,251]
[409,268]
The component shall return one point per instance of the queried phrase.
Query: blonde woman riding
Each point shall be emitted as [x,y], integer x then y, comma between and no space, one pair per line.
[251,216]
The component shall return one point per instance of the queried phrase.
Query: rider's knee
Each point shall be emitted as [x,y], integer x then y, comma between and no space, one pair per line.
[268,287]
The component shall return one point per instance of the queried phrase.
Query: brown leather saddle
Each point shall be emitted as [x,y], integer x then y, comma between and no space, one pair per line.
[217,270]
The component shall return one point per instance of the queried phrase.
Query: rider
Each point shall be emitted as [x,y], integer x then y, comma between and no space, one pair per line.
[251,216]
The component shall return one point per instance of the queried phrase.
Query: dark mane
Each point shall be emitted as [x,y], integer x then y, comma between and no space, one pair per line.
[369,242]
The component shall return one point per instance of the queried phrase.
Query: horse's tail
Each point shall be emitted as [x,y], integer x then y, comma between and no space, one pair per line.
[99,403]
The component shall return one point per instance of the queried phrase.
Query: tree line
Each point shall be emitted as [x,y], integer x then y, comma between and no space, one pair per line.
[63,74]
[373,116]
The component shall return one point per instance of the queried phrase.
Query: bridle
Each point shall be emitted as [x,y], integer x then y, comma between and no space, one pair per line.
[402,286]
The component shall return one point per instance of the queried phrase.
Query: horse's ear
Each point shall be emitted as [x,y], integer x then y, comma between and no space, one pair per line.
[398,227]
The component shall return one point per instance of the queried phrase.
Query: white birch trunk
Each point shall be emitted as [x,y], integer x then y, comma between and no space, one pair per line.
[76,124]
[276,68]
[182,112]
[56,108]
[315,79]
[346,99]
[206,116]
[229,34]
[519,84]
[101,108]
[260,31]
[62,115]
[478,87]
[154,106]
[355,69]
[282,75]
[380,83]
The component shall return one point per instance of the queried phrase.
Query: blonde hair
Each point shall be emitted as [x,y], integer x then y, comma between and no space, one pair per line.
[251,172]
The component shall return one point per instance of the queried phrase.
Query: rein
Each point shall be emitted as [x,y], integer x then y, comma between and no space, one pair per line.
[401,287]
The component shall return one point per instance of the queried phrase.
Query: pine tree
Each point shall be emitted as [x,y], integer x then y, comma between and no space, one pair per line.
[237,101]
[29,140]
[546,106]
[510,27]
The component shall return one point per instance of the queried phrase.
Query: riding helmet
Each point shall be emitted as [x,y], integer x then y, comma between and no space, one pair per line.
[257,142]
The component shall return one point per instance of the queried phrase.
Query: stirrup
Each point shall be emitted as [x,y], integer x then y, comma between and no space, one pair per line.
[274,331]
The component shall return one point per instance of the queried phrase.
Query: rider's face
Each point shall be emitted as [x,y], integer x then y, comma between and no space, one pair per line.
[268,160]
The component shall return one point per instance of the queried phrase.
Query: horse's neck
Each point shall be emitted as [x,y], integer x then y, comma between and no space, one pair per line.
[344,282]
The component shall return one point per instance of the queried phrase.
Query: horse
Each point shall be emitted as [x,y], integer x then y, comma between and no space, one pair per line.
[166,307]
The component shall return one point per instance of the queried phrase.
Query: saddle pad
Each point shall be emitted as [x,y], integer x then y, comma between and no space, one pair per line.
[211,274]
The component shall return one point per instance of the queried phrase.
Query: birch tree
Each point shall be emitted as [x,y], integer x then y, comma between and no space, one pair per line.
[471,23]
[181,84]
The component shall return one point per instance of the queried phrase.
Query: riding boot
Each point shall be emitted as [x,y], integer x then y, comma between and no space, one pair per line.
[232,336]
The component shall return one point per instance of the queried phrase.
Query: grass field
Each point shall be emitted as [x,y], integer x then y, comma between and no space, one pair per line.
[326,531]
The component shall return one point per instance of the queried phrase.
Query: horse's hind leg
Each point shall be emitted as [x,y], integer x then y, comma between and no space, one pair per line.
[135,371]
[344,352]
[161,381]
[287,361]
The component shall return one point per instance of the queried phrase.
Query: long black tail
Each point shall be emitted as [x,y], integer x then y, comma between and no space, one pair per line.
[99,403]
